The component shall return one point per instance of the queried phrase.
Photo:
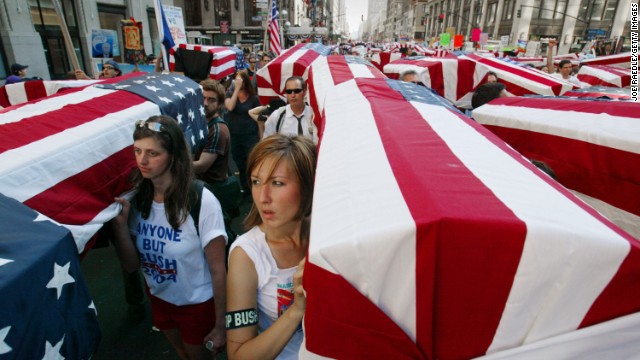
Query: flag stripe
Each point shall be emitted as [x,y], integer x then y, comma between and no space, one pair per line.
[54,117]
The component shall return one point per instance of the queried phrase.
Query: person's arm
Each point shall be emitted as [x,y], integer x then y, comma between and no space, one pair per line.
[230,103]
[204,162]
[254,114]
[270,124]
[215,254]
[550,67]
[245,342]
[122,239]
[80,75]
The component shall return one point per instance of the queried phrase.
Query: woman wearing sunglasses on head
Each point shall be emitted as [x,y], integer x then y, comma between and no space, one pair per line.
[266,301]
[296,118]
[244,131]
[183,262]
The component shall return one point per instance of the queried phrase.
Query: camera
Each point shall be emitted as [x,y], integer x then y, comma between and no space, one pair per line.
[274,105]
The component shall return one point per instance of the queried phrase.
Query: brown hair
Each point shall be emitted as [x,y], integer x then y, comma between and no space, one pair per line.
[176,197]
[300,153]
[216,87]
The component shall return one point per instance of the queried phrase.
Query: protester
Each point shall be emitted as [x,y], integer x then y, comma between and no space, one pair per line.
[266,264]
[487,92]
[110,69]
[182,259]
[244,131]
[211,164]
[410,76]
[264,60]
[297,117]
[564,67]
[492,77]
[261,113]
[18,74]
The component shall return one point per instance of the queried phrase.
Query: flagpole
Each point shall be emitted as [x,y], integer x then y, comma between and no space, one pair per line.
[266,29]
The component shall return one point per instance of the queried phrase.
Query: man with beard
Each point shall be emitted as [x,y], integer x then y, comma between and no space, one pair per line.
[211,164]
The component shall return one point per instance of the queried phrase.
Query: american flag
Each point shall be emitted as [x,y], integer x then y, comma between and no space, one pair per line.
[67,155]
[592,146]
[294,61]
[223,60]
[456,78]
[18,93]
[442,242]
[622,60]
[274,30]
[600,92]
[605,75]
[46,311]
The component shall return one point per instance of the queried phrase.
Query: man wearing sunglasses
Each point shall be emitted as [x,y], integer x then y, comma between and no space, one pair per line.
[296,118]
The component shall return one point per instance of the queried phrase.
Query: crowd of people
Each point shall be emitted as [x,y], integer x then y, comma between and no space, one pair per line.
[207,290]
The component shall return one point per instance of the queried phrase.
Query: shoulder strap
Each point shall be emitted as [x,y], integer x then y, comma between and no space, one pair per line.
[279,124]
[195,202]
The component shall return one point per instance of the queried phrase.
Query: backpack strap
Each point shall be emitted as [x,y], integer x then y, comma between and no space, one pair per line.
[279,124]
[195,202]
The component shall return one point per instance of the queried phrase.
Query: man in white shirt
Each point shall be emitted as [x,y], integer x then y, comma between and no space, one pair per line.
[296,118]
[564,67]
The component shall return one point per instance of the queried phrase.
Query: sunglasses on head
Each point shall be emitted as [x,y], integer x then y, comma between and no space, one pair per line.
[154,126]
[291,91]
[107,68]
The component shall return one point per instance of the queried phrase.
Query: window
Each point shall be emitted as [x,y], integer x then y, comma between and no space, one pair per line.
[192,13]
[222,11]
[110,16]
[507,10]
[596,10]
[546,9]
[561,7]
[251,14]
[610,9]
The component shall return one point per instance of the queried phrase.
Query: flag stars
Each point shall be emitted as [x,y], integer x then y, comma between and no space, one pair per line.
[201,134]
[153,88]
[4,347]
[60,278]
[139,82]
[192,91]
[178,79]
[168,83]
[179,118]
[93,306]
[4,261]
[164,99]
[192,115]
[202,110]
[178,94]
[52,352]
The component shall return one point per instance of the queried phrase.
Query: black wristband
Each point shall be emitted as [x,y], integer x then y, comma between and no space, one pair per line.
[241,318]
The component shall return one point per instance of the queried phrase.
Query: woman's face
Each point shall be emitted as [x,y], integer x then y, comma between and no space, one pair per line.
[276,195]
[152,159]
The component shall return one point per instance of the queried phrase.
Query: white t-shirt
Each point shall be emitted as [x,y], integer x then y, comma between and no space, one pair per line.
[275,286]
[572,79]
[173,261]
[289,124]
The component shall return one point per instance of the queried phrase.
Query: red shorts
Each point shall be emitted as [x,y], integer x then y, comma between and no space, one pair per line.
[194,321]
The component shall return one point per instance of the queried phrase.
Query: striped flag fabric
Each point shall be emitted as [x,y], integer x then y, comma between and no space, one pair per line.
[382,58]
[274,30]
[622,60]
[600,92]
[455,79]
[294,61]
[605,75]
[68,155]
[442,242]
[223,59]
[18,93]
[593,147]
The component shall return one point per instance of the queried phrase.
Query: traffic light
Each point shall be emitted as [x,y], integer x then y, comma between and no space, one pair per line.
[518,13]
[441,18]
